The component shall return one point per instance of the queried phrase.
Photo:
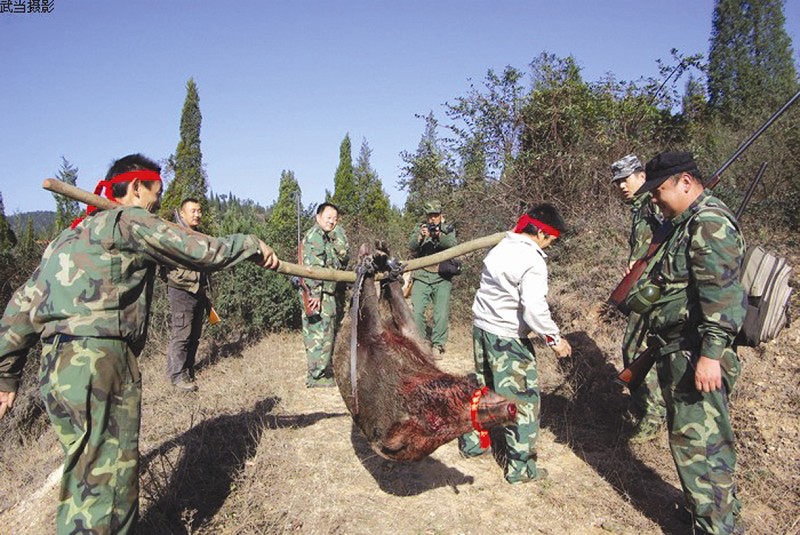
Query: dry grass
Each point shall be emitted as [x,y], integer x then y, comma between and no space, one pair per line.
[254,451]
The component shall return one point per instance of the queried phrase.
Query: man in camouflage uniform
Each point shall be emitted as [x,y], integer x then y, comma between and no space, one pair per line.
[430,237]
[628,176]
[324,245]
[188,305]
[510,303]
[89,301]
[692,327]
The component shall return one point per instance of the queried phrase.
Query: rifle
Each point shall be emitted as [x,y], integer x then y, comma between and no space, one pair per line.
[750,189]
[633,376]
[663,232]
[300,282]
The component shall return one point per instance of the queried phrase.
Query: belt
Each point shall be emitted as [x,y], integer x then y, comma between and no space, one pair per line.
[61,338]
[71,338]
[671,340]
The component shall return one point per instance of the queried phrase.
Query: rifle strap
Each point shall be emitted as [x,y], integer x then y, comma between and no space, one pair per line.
[355,311]
[304,291]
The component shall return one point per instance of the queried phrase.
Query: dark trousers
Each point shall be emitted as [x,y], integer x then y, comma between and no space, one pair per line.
[187,310]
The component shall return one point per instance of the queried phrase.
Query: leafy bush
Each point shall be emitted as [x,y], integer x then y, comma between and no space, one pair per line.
[252,301]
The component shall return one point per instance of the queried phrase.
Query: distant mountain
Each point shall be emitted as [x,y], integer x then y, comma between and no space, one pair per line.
[43,222]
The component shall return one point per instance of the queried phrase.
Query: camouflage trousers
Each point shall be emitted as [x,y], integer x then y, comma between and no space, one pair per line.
[647,399]
[92,392]
[508,366]
[319,332]
[431,288]
[702,441]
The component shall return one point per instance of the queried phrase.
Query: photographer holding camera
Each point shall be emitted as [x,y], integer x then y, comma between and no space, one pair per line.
[428,284]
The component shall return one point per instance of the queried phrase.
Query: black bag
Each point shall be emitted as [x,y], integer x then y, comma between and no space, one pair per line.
[449,268]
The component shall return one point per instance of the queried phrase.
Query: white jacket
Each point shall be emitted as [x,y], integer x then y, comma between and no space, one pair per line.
[511,301]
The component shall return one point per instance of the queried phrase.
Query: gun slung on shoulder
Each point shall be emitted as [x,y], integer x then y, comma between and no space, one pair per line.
[618,296]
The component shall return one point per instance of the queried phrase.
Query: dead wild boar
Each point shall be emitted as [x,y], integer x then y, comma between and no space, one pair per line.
[404,405]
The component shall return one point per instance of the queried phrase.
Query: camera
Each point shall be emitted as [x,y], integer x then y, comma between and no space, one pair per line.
[433,228]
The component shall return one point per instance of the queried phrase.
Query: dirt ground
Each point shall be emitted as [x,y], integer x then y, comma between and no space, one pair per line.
[254,451]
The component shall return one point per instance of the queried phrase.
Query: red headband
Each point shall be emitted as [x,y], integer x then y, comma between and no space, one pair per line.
[526,220]
[145,175]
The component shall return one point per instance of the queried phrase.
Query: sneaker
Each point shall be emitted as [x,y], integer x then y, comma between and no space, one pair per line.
[541,475]
[184,385]
[472,455]
[647,429]
[324,382]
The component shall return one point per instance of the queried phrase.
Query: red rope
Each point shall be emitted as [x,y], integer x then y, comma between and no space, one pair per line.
[486,441]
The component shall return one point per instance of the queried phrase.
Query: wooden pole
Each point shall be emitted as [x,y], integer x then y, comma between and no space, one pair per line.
[288,268]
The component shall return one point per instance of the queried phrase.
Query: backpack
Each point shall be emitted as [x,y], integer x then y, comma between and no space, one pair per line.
[765,278]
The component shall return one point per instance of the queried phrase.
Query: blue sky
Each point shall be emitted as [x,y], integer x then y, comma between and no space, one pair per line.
[282,82]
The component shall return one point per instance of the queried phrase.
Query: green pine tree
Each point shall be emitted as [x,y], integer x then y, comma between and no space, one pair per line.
[345,194]
[373,207]
[29,241]
[427,171]
[7,237]
[473,164]
[283,218]
[750,65]
[66,209]
[187,163]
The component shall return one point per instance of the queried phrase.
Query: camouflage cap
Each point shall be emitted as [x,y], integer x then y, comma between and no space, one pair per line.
[625,167]
[433,207]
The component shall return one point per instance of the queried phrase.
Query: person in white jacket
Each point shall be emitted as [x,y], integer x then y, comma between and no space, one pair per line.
[509,305]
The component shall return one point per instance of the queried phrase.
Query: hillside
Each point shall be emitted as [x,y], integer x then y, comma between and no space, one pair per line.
[255,452]
[42,220]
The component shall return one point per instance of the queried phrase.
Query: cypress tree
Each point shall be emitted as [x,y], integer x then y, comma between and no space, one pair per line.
[750,66]
[7,237]
[29,241]
[282,221]
[66,209]
[373,207]
[345,194]
[427,172]
[190,177]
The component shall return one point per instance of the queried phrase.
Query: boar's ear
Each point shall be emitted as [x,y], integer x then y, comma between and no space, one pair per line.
[382,246]
[364,250]
[472,380]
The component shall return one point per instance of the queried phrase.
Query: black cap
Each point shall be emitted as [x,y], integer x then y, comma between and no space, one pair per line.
[666,165]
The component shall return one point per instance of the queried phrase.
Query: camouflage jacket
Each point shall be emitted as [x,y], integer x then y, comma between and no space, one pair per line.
[325,250]
[702,302]
[445,240]
[97,280]
[646,218]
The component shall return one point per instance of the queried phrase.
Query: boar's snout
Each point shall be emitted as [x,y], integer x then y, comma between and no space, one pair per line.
[494,410]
